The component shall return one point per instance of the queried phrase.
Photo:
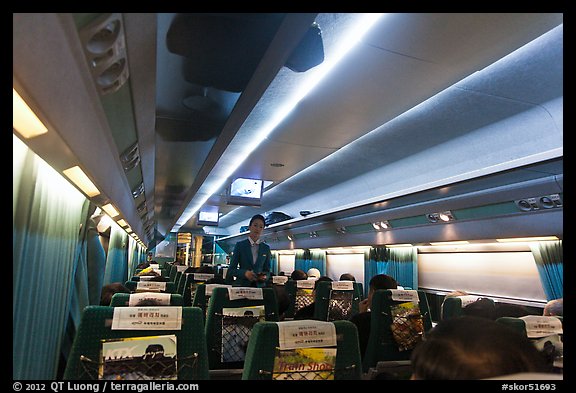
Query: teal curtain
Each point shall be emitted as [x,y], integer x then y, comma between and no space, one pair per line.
[46,217]
[117,259]
[398,262]
[550,263]
[403,266]
[301,261]
[307,259]
[96,263]
[274,262]
[374,264]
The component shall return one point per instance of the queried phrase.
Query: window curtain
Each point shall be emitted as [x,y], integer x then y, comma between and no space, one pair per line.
[132,255]
[550,264]
[117,259]
[46,217]
[403,266]
[274,262]
[374,264]
[300,260]
[307,259]
[398,262]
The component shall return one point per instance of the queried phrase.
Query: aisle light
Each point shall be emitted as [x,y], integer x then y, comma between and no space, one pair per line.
[24,120]
[78,177]
[110,210]
[313,77]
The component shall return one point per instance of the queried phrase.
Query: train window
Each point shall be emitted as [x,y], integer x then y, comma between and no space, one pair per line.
[510,275]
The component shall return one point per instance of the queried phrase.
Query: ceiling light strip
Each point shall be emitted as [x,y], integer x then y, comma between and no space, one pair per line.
[363,25]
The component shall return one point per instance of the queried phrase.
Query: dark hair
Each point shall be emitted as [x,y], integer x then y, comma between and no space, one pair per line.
[282,299]
[347,276]
[298,275]
[109,290]
[482,308]
[383,281]
[474,348]
[320,279]
[257,217]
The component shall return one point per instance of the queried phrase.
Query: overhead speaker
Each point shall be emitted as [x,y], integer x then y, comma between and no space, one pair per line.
[527,204]
[105,50]
[550,201]
[310,51]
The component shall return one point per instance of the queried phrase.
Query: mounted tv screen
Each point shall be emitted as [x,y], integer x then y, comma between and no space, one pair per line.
[245,192]
[208,215]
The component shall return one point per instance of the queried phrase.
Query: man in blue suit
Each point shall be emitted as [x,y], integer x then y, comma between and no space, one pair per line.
[250,262]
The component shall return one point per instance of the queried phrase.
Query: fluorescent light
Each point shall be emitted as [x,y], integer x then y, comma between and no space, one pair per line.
[454,243]
[78,177]
[122,222]
[24,120]
[527,239]
[110,210]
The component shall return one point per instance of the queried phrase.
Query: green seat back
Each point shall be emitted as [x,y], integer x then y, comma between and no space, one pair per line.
[131,285]
[293,296]
[452,307]
[328,306]
[190,287]
[264,340]
[122,299]
[95,325]
[518,324]
[381,344]
[213,328]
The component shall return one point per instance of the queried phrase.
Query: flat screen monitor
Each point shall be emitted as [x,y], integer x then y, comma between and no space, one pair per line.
[208,215]
[244,191]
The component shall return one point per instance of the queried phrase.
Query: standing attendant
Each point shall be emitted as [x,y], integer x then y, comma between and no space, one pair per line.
[250,262]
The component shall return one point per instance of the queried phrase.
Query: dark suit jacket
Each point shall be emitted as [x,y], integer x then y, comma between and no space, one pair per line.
[242,261]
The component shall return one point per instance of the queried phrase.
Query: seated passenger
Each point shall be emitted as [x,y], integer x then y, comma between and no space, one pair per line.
[298,275]
[362,320]
[347,277]
[109,290]
[474,348]
[307,312]
[554,307]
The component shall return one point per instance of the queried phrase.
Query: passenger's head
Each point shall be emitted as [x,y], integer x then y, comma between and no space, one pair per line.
[380,281]
[473,348]
[320,279]
[347,277]
[313,273]
[109,290]
[482,308]
[554,307]
[298,275]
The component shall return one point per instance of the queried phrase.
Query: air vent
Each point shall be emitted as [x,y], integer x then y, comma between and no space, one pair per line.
[130,158]
[138,190]
[542,202]
[105,49]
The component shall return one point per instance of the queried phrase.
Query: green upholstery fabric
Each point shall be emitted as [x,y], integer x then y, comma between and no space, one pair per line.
[122,299]
[381,344]
[213,328]
[131,285]
[172,272]
[290,286]
[95,326]
[264,340]
[518,324]
[190,287]
[179,276]
[200,299]
[323,296]
[452,307]
[182,283]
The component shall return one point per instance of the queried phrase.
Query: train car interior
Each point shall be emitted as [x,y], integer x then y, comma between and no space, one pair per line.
[427,146]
